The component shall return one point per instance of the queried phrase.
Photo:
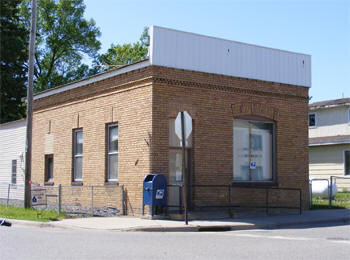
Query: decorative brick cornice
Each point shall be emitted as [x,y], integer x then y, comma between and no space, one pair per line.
[242,91]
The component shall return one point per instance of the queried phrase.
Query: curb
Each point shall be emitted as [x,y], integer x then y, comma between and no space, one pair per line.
[17,222]
[198,228]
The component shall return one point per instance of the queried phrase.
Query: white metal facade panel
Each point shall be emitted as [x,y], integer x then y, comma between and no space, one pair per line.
[12,142]
[182,50]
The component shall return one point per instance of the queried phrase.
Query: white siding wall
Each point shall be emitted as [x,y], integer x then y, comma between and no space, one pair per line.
[176,49]
[326,161]
[330,122]
[12,143]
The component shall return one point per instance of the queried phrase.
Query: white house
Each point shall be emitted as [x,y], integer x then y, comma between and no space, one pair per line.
[12,145]
[329,140]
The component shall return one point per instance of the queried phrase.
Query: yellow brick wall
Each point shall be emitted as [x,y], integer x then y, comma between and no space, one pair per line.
[130,108]
[143,101]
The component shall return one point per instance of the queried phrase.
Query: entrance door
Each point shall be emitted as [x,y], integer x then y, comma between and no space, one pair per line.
[175,193]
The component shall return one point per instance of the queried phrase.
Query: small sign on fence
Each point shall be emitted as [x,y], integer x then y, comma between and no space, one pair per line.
[38,197]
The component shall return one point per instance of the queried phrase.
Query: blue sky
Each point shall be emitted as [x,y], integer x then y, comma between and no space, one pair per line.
[320,28]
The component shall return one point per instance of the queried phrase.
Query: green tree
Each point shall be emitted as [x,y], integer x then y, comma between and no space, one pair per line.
[13,55]
[64,39]
[124,54]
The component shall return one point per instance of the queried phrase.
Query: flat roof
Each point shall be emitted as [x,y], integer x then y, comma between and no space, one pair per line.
[329,140]
[330,103]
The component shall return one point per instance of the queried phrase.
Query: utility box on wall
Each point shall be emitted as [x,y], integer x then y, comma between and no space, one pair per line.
[154,191]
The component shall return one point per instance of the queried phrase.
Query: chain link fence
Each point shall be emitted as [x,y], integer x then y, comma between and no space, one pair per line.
[330,193]
[96,200]
[11,194]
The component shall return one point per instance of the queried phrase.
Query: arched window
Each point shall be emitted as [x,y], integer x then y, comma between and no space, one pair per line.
[253,150]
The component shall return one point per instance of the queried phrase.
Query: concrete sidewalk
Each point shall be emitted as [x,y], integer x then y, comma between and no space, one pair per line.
[137,224]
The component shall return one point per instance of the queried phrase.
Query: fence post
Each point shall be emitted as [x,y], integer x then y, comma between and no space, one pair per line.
[123,198]
[59,198]
[8,195]
[92,201]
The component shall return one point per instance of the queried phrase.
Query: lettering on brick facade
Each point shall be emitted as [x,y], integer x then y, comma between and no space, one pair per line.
[257,109]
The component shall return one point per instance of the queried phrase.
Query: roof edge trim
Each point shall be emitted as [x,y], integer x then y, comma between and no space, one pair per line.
[92,79]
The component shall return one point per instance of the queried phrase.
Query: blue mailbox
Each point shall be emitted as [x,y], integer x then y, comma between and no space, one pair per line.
[154,191]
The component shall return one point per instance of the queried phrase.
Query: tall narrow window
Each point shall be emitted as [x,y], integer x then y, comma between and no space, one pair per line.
[112,153]
[175,147]
[14,172]
[49,168]
[252,150]
[347,162]
[78,155]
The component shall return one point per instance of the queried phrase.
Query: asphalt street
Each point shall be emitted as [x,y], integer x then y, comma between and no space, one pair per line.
[298,242]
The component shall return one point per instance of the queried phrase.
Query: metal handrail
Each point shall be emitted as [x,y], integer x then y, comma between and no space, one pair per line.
[229,187]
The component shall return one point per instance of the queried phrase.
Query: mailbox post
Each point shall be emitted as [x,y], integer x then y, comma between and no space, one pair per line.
[154,191]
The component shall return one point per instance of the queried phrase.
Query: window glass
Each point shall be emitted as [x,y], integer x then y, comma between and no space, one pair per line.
[113,167]
[79,142]
[175,165]
[14,172]
[175,134]
[78,155]
[241,150]
[113,138]
[252,150]
[347,162]
[312,119]
[49,167]
[78,169]
[112,156]
[261,156]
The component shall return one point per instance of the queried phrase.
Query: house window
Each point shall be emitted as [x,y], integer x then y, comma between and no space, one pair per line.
[78,155]
[347,162]
[49,168]
[112,152]
[14,172]
[253,150]
[312,120]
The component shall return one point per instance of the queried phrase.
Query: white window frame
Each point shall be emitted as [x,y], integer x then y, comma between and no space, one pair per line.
[109,126]
[312,126]
[75,155]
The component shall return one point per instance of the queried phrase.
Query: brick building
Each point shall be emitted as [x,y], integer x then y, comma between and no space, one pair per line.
[248,106]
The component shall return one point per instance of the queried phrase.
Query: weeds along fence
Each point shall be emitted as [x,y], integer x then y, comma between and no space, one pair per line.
[11,194]
[96,200]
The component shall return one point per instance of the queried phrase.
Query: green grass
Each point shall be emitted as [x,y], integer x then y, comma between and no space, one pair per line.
[29,214]
[341,201]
